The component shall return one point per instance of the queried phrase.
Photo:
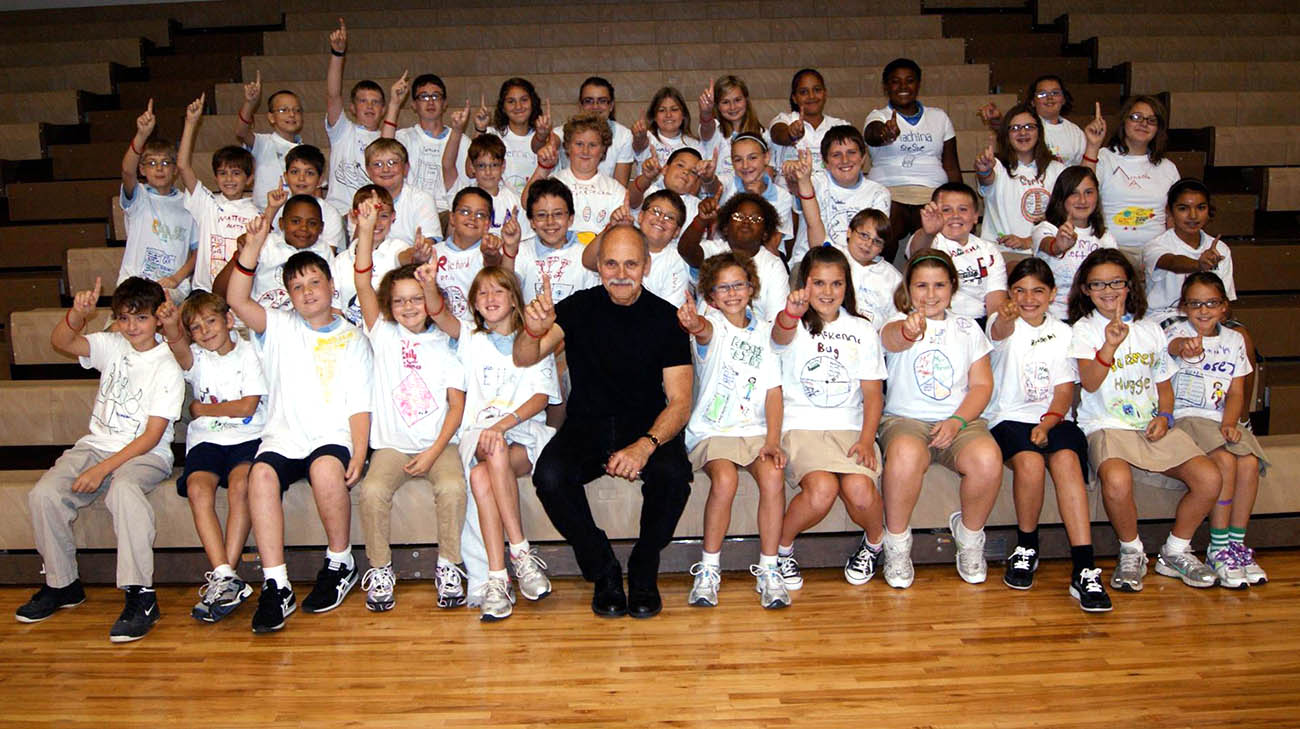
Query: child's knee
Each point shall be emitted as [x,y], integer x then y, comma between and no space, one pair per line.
[125,494]
[858,496]
[480,481]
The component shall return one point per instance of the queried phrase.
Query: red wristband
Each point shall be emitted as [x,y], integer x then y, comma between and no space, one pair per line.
[506,254]
[244,269]
[1103,362]
[534,336]
[240,115]
[388,123]
[434,315]
[1059,416]
[1086,158]
[547,167]
[810,197]
[67,320]
[367,269]
[792,318]
[133,149]
[907,338]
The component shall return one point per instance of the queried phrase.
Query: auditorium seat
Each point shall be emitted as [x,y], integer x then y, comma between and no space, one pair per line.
[45,244]
[155,29]
[1187,23]
[1048,11]
[1113,50]
[1256,145]
[86,264]
[72,199]
[95,77]
[52,107]
[20,141]
[125,51]
[1193,109]
[1281,188]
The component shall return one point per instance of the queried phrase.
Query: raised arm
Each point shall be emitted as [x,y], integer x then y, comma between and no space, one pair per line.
[897,336]
[700,328]
[434,303]
[985,170]
[363,266]
[334,74]
[396,95]
[239,291]
[244,127]
[1207,261]
[787,319]
[144,125]
[543,130]
[67,335]
[650,171]
[174,334]
[1093,372]
[882,133]
[931,224]
[547,158]
[801,170]
[688,245]
[184,157]
[1095,136]
[708,125]
[541,335]
[450,151]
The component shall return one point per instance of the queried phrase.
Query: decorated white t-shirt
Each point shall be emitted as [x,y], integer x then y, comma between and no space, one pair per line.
[1065,140]
[733,373]
[1016,201]
[1165,288]
[412,374]
[1127,398]
[348,142]
[838,205]
[594,200]
[1201,384]
[159,231]
[563,266]
[773,278]
[929,380]
[268,164]
[669,276]
[619,151]
[218,378]
[663,148]
[1027,367]
[268,283]
[133,387]
[220,222]
[980,271]
[424,151]
[916,157]
[874,286]
[520,158]
[780,198]
[496,387]
[457,268]
[414,209]
[821,375]
[811,139]
[1133,193]
[1065,267]
[383,258]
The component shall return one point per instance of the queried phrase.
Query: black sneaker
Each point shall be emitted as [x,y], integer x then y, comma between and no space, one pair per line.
[49,600]
[333,583]
[274,607]
[1021,566]
[138,617]
[1086,587]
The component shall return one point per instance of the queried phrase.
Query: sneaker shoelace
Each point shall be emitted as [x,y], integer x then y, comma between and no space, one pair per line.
[787,566]
[712,575]
[768,576]
[211,590]
[1245,555]
[862,560]
[378,579]
[529,564]
[1090,579]
[450,577]
[1021,558]
[1130,561]
[495,589]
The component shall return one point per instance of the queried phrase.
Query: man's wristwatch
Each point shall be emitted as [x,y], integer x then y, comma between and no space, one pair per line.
[652,439]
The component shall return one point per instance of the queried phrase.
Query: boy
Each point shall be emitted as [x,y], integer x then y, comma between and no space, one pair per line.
[427,139]
[301,231]
[555,254]
[304,167]
[348,139]
[387,252]
[318,423]
[484,165]
[687,174]
[841,188]
[470,247]
[946,224]
[220,220]
[222,438]
[126,455]
[159,229]
[660,221]
[414,209]
[284,114]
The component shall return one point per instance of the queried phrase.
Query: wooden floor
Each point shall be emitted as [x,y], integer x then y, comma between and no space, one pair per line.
[942,654]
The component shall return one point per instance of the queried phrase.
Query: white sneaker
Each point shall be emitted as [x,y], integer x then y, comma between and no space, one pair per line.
[898,562]
[1227,568]
[449,580]
[529,573]
[498,600]
[971,564]
[1255,574]
[772,593]
[380,584]
[1186,567]
[704,593]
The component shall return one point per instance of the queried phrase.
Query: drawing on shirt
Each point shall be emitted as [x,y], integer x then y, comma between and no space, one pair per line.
[749,387]
[1189,388]
[1036,381]
[1218,396]
[1033,204]
[327,354]
[413,399]
[1129,412]
[1131,217]
[158,264]
[746,353]
[117,404]
[934,374]
[826,382]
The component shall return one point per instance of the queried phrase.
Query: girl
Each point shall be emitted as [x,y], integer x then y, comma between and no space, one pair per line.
[725,111]
[939,383]
[749,226]
[1210,398]
[1049,98]
[750,163]
[596,195]
[1073,228]
[1015,180]
[1033,389]
[665,128]
[832,375]
[387,253]
[525,128]
[503,432]
[1126,411]
[806,123]
[736,422]
[419,398]
[1183,249]
[1135,175]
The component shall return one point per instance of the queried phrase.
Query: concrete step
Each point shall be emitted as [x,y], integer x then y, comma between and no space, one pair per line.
[71,200]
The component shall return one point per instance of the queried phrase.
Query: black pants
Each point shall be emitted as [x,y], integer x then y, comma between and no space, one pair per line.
[578,454]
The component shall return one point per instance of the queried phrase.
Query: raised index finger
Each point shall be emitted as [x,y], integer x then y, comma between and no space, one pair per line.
[99,287]
[1097,111]
[546,288]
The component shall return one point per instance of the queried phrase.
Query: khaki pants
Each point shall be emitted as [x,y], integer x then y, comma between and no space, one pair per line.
[385,476]
[54,506]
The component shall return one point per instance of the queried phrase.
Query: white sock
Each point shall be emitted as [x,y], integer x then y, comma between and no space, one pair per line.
[873,546]
[345,557]
[1177,545]
[713,559]
[766,561]
[223,571]
[444,562]
[1133,546]
[279,573]
[966,534]
[897,539]
[518,550]
[498,575]
[785,551]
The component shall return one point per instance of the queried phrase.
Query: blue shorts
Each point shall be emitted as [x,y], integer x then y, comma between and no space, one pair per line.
[289,470]
[216,459]
[1013,437]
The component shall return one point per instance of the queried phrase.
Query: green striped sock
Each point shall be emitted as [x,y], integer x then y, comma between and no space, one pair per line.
[1237,535]
[1218,540]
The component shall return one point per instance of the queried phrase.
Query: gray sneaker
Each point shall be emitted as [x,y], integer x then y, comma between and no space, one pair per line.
[380,584]
[898,563]
[449,580]
[704,593]
[971,564]
[1186,567]
[530,574]
[1228,568]
[772,593]
[498,600]
[1130,568]
[219,597]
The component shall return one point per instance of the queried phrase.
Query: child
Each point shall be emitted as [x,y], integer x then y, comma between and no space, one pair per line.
[748,226]
[806,124]
[127,454]
[1127,413]
[520,122]
[349,139]
[470,247]
[483,168]
[686,174]
[873,279]
[387,252]
[1049,98]
[304,167]
[736,422]
[1209,399]
[596,98]
[665,129]
[831,374]
[284,114]
[222,438]
[503,433]
[159,230]
[724,113]
[841,188]
[301,227]
[939,383]
[750,162]
[413,209]
[555,254]
[220,220]
[1033,389]
[1183,249]
[428,139]
[419,398]
[1014,177]
[587,140]
[1072,229]
[318,370]
[660,222]
[946,223]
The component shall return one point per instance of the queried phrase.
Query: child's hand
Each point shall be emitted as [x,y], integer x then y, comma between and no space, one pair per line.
[914,327]
[774,452]
[1015,242]
[640,133]
[539,315]
[510,230]
[1116,329]
[943,433]
[650,169]
[706,103]
[483,116]
[339,38]
[1157,428]
[704,169]
[622,215]
[253,91]
[795,129]
[367,213]
[990,116]
[542,126]
[427,273]
[194,111]
[258,227]
[1190,347]
[422,248]
[355,465]
[460,117]
[688,318]
[144,123]
[90,479]
[801,169]
[1065,239]
[170,316]
[400,88]
[707,212]
[1095,132]
[491,441]
[1038,436]
[796,304]
[84,302]
[864,452]
[1208,260]
[931,218]
[1010,310]
[1231,432]
[984,161]
[421,463]
[276,198]
[548,157]
[891,129]
[491,246]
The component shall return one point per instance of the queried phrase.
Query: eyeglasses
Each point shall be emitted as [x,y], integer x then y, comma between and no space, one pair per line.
[1118,283]
[738,287]
[596,101]
[384,164]
[163,163]
[740,217]
[428,97]
[475,214]
[1027,127]
[544,215]
[869,238]
[1049,94]
[662,214]
[1207,304]
[1137,118]
[485,166]
[288,110]
[403,301]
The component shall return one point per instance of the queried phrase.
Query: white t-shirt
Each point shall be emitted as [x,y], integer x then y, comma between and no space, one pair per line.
[425,154]
[1016,200]
[332,233]
[456,271]
[496,387]
[133,387]
[316,381]
[219,378]
[220,221]
[780,198]
[159,231]
[342,268]
[619,152]
[1064,267]
[1027,367]
[691,202]
[723,146]
[663,148]
[874,288]
[411,377]
[838,205]
[268,282]
[929,380]
[821,376]
[981,270]
[348,142]
[1133,193]
[593,201]
[268,164]
[773,278]
[811,139]
[1127,398]
[916,157]
[1165,288]
[733,373]
[1065,140]
[563,266]
[521,161]
[1201,387]
[414,209]
[669,275]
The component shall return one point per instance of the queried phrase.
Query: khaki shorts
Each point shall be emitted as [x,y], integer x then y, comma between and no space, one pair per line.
[1207,436]
[893,427]
[824,450]
[911,194]
[1132,447]
[740,451]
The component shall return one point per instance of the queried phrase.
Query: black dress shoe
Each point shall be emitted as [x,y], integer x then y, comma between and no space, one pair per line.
[609,601]
[643,600]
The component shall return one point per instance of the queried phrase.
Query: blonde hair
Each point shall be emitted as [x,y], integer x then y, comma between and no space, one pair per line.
[506,280]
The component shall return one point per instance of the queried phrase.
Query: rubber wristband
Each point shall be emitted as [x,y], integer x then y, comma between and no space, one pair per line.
[338,54]
[1169,417]
[133,149]
[389,123]
[441,308]
[547,167]
[1103,362]
[810,197]
[67,320]
[506,254]
[240,116]
[1224,502]
[245,269]
[787,328]
[534,336]
[1059,416]
[367,269]
[959,419]
[1086,158]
